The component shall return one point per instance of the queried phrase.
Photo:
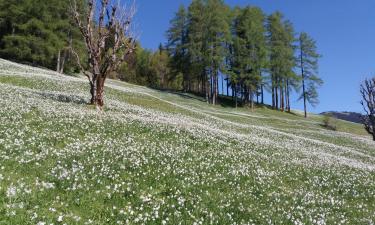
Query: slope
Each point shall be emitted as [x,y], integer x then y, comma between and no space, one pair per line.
[161,158]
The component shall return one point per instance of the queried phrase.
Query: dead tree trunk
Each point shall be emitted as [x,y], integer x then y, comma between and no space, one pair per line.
[108,41]
[368,103]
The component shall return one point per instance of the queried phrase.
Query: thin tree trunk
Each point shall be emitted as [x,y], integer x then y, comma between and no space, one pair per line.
[288,95]
[216,88]
[251,93]
[233,92]
[227,86]
[261,89]
[281,98]
[58,61]
[276,98]
[304,94]
[235,96]
[207,88]
[273,97]
[303,84]
[63,62]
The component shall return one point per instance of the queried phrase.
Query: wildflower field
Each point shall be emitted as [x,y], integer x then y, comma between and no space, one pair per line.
[161,158]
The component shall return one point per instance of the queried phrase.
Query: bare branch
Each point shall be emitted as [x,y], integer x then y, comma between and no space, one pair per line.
[108,48]
[88,75]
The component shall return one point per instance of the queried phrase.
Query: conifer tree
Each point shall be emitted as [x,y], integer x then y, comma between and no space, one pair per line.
[282,61]
[308,63]
[177,46]
[250,50]
[196,45]
[37,32]
[216,36]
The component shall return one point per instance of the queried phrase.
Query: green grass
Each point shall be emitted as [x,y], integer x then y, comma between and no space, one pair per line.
[154,157]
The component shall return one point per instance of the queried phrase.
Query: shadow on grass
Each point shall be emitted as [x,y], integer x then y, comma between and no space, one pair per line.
[64,98]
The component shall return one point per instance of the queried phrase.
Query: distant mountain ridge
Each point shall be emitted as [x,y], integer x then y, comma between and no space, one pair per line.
[347,116]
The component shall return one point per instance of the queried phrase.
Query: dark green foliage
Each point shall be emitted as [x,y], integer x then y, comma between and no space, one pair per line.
[282,59]
[177,47]
[248,51]
[211,38]
[36,31]
[151,69]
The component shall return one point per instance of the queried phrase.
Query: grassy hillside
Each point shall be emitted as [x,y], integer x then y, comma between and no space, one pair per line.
[161,158]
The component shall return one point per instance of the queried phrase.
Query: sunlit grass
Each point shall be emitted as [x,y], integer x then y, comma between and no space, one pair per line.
[162,158]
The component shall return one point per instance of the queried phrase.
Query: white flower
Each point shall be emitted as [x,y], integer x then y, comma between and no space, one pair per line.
[11,192]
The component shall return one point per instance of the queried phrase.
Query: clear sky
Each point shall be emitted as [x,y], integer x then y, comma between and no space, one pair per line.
[344,31]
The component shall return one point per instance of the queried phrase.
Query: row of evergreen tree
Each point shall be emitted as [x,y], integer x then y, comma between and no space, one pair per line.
[253,51]
[206,41]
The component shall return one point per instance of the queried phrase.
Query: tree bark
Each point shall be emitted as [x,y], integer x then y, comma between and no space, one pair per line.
[281,98]
[273,97]
[235,96]
[58,61]
[276,98]
[227,86]
[214,94]
[208,90]
[100,92]
[63,62]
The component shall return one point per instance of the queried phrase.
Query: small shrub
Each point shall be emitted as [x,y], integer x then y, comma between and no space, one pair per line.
[330,122]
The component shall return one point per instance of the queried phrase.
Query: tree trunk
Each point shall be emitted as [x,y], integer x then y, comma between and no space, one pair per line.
[58,61]
[282,103]
[228,86]
[63,62]
[235,96]
[262,93]
[304,94]
[276,98]
[251,93]
[214,86]
[303,82]
[217,89]
[100,92]
[273,97]
[93,92]
[207,87]
[211,88]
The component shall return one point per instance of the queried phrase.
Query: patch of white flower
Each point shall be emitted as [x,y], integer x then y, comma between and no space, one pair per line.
[157,158]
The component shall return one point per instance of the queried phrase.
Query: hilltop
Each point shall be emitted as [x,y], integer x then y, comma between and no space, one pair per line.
[153,157]
[348,116]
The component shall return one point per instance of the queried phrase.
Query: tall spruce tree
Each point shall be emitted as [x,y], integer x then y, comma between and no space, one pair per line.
[250,50]
[308,63]
[197,46]
[290,78]
[177,46]
[282,60]
[216,36]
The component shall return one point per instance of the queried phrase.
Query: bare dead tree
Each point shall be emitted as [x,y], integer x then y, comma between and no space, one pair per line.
[107,32]
[368,103]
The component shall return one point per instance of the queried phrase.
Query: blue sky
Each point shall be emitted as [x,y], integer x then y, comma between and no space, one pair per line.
[344,31]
